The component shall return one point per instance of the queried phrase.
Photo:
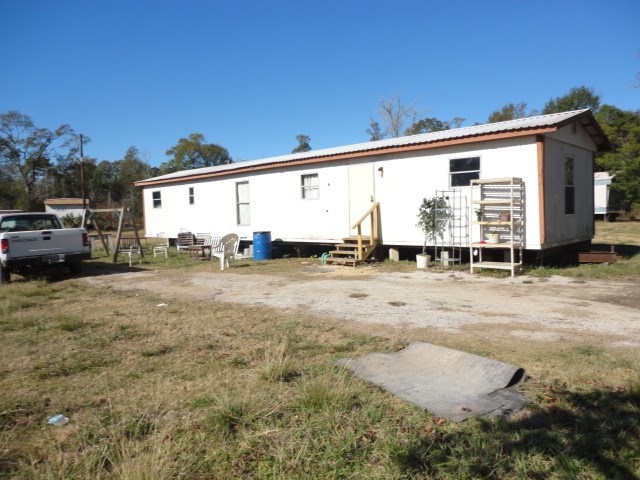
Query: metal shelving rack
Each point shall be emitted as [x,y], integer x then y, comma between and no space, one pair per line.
[495,199]
[456,235]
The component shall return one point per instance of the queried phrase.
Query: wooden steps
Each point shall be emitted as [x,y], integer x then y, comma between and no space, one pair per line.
[355,250]
[346,253]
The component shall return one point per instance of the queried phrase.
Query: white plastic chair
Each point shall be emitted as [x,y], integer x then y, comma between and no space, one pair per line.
[131,251]
[227,248]
[163,246]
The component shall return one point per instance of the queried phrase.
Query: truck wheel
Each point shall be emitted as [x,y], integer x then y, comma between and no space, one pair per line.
[5,275]
[75,268]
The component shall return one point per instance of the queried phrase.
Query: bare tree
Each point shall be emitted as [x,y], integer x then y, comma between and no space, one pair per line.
[394,115]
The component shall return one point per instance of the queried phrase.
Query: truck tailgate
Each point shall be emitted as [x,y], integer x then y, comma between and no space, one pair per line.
[44,242]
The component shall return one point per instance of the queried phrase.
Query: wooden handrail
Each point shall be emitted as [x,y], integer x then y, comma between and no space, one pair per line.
[374,215]
[374,205]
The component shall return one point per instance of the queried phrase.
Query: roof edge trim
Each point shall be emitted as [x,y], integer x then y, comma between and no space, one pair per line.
[356,154]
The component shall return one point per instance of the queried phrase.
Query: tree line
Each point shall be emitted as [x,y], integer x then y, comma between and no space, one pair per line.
[622,127]
[37,163]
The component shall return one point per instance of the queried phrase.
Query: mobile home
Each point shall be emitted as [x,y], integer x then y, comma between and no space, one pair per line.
[319,196]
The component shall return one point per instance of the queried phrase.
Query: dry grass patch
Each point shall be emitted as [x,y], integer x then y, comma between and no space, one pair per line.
[197,388]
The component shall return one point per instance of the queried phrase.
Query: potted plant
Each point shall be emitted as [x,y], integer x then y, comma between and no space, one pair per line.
[493,237]
[433,216]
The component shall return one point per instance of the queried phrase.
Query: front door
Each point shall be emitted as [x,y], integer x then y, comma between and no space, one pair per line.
[361,193]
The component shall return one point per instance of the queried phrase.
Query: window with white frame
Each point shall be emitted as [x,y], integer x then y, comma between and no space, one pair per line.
[463,170]
[569,187]
[157,199]
[192,197]
[310,186]
[243,211]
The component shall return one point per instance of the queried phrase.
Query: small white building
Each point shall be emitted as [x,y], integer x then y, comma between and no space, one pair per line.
[604,199]
[317,196]
[65,206]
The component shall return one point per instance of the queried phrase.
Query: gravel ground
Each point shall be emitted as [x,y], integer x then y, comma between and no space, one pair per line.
[547,310]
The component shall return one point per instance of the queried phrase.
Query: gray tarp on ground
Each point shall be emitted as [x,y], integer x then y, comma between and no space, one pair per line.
[448,383]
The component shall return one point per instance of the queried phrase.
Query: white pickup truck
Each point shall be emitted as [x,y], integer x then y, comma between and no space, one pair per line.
[37,240]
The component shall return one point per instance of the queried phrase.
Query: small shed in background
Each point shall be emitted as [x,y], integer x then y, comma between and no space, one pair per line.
[65,206]
[604,200]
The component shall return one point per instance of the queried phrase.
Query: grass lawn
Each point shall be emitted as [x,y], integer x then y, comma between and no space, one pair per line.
[208,390]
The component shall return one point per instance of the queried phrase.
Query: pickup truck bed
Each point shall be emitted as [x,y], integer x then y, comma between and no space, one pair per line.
[37,240]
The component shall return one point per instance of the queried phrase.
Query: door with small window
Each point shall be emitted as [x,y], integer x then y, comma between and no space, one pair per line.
[361,193]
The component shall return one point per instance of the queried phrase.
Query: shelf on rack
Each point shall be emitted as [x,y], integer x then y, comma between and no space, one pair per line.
[498,197]
[495,245]
[494,223]
[495,201]
[498,265]
[495,181]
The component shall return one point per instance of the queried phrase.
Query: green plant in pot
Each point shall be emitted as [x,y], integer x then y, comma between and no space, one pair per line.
[433,216]
[493,236]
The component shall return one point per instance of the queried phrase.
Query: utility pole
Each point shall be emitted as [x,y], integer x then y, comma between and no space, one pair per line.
[84,200]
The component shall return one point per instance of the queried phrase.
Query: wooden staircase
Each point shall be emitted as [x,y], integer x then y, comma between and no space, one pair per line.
[346,253]
[356,249]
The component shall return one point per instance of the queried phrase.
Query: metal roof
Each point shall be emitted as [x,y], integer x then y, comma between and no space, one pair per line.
[64,201]
[525,126]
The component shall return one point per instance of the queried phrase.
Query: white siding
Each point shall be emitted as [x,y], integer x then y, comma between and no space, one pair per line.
[562,228]
[277,205]
[409,178]
[64,210]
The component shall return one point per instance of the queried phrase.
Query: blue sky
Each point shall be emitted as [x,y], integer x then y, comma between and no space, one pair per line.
[250,75]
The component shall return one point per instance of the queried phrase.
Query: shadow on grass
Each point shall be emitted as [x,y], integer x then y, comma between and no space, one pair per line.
[625,251]
[58,273]
[578,433]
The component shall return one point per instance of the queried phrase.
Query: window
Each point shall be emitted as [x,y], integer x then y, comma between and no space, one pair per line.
[242,203]
[569,187]
[463,170]
[310,186]
[29,222]
[192,198]
[157,199]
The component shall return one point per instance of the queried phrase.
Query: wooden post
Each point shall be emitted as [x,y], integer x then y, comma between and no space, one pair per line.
[104,244]
[119,234]
[135,234]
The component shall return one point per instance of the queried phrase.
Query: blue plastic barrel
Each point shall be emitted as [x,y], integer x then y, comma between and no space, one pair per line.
[261,245]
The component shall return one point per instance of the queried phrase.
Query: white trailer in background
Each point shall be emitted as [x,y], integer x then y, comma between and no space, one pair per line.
[603,199]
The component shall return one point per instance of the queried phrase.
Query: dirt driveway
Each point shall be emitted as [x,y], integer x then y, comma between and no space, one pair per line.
[542,309]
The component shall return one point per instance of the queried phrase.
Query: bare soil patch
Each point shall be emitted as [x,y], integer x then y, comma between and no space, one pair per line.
[549,310]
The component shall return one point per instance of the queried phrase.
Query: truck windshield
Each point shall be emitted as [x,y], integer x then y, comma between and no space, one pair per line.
[23,223]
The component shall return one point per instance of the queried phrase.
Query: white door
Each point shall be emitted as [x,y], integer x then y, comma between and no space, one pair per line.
[361,194]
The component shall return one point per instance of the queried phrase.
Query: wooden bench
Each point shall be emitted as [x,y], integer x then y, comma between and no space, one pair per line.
[126,243]
[203,245]
[185,240]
